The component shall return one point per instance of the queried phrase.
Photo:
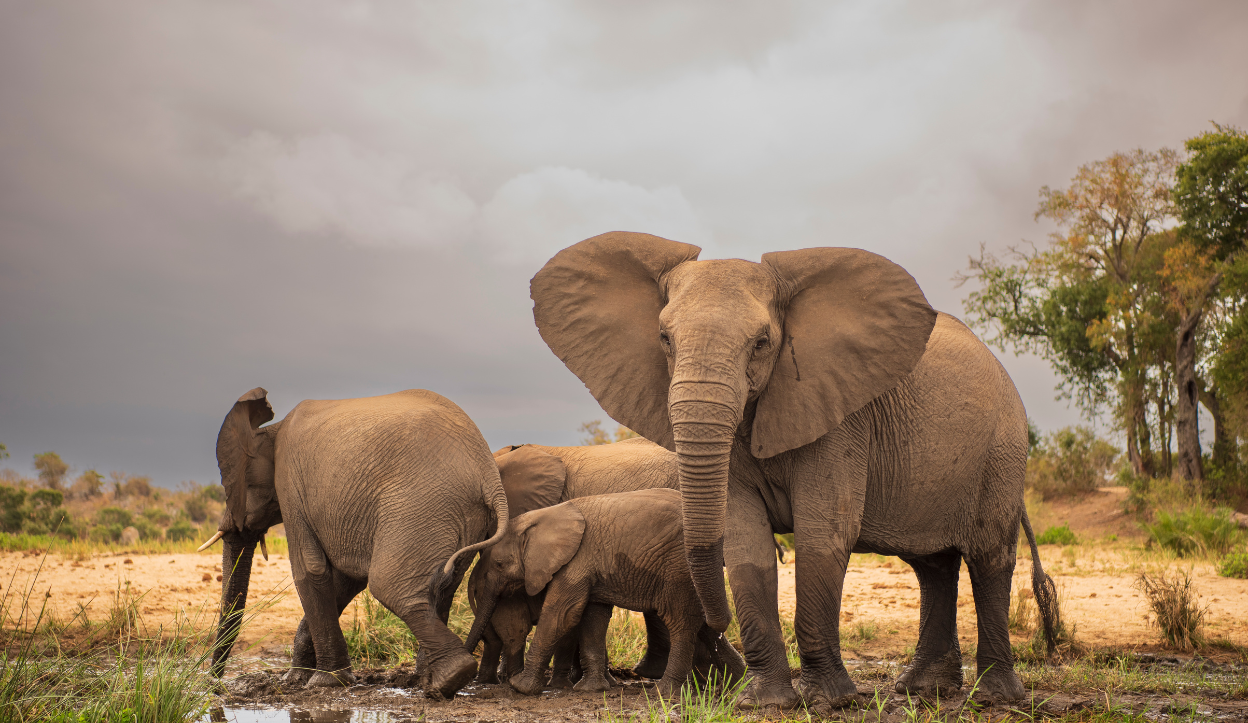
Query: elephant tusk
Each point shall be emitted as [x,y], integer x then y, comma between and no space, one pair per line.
[264,550]
[211,541]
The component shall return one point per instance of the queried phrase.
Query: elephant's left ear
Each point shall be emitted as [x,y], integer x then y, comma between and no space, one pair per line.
[855,325]
[238,450]
[551,537]
[532,479]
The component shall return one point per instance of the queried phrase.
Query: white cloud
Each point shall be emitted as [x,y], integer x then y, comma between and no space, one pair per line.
[537,213]
[327,183]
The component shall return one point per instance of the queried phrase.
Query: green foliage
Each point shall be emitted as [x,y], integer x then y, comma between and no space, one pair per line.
[12,508]
[87,485]
[114,516]
[1072,460]
[4,451]
[1060,535]
[1211,188]
[1194,532]
[377,636]
[1234,564]
[52,469]
[180,530]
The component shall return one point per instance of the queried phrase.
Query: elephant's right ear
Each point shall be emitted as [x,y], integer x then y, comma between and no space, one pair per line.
[504,450]
[237,451]
[549,539]
[532,479]
[597,306]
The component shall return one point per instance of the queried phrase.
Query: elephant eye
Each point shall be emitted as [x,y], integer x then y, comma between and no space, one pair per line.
[761,343]
[664,338]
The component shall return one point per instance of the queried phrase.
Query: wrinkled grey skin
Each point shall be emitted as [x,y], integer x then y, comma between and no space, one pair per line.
[592,553]
[393,492]
[536,476]
[816,393]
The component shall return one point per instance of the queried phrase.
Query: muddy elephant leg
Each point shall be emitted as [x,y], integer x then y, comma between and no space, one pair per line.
[444,663]
[937,663]
[302,651]
[654,662]
[592,636]
[715,661]
[680,658]
[314,580]
[561,613]
[991,576]
[749,550]
[564,670]
[487,670]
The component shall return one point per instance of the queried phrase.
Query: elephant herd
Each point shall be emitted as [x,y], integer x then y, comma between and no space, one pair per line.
[815,393]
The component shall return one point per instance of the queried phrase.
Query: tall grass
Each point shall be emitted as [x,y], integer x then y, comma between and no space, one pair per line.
[83,549]
[1194,532]
[1176,611]
[114,669]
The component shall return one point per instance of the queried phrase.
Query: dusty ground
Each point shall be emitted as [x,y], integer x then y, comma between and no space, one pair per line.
[1095,581]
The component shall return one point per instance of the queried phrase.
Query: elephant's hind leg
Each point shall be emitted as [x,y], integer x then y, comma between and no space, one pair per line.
[654,662]
[991,576]
[937,663]
[450,667]
[302,651]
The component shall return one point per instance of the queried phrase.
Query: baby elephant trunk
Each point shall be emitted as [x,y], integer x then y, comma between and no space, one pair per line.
[485,609]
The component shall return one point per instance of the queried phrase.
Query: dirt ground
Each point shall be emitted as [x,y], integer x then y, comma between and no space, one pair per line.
[1095,580]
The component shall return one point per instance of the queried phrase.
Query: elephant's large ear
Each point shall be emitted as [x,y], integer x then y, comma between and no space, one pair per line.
[552,536]
[532,479]
[854,326]
[238,450]
[597,306]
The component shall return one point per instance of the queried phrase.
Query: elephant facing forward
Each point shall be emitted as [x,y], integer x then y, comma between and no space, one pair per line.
[393,492]
[816,393]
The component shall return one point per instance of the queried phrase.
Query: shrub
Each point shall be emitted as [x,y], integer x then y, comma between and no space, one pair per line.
[114,516]
[1070,461]
[147,529]
[87,485]
[1235,564]
[1061,535]
[12,508]
[106,533]
[1177,612]
[196,508]
[180,530]
[1194,531]
[157,516]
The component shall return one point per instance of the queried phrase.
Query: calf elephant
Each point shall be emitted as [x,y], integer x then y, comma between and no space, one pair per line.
[816,393]
[536,476]
[589,554]
[393,492]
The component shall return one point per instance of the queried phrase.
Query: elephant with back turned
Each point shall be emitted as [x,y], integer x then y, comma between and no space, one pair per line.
[816,393]
[393,492]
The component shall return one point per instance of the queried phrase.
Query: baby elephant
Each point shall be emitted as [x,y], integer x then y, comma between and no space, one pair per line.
[589,554]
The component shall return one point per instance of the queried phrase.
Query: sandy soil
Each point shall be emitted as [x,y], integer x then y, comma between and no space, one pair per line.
[1095,582]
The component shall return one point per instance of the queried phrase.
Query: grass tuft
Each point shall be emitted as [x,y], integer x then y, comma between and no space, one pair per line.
[1194,532]
[1175,608]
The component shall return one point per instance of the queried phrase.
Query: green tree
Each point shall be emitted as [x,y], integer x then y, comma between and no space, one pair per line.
[87,485]
[4,451]
[52,470]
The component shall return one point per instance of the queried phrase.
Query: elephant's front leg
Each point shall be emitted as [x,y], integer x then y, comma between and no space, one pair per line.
[749,551]
[565,602]
[592,634]
[828,501]
[314,580]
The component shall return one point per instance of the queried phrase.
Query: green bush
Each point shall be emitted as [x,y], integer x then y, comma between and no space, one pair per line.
[12,508]
[1070,461]
[147,529]
[180,530]
[157,516]
[1061,535]
[1194,531]
[1235,565]
[114,516]
[105,533]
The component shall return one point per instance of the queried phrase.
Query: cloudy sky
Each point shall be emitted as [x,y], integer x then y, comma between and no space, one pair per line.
[340,199]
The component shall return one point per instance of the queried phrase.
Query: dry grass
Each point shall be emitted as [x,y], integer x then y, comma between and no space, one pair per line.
[1176,610]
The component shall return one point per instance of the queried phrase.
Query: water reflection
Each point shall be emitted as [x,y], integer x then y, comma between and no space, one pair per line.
[254,715]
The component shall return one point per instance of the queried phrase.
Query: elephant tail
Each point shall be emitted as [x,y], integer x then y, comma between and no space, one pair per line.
[1045,591]
[441,585]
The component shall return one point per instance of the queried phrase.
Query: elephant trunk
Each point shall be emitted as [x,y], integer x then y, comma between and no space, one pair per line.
[485,609]
[703,426]
[236,553]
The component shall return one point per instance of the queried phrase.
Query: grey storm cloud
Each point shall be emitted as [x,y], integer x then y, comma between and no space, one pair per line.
[337,199]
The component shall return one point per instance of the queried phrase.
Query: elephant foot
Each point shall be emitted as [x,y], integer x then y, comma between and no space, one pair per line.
[487,676]
[341,678]
[560,679]
[924,676]
[650,667]
[998,683]
[297,677]
[526,682]
[590,683]
[825,693]
[450,674]
[757,696]
[668,689]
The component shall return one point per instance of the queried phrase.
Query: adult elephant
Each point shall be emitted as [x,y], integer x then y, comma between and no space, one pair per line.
[816,393]
[393,492]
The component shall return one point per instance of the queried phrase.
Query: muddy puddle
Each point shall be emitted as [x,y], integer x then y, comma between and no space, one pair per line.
[388,696]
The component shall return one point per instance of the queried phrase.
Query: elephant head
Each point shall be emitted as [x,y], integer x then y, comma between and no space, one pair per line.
[536,546]
[245,459]
[694,354]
